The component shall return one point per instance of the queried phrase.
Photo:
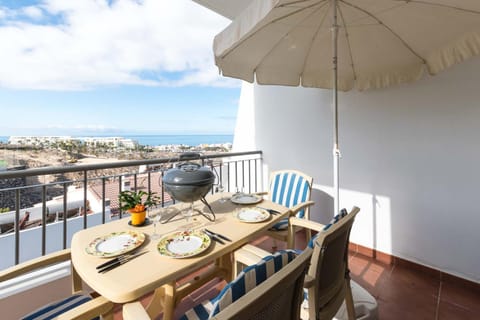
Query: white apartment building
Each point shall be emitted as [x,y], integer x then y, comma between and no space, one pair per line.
[115,142]
[39,140]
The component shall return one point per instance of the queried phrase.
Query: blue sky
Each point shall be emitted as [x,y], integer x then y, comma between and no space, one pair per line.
[87,67]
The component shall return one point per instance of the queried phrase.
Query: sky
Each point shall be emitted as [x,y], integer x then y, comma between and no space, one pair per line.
[98,67]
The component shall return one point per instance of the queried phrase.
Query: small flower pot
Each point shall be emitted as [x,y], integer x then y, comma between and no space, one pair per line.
[137,218]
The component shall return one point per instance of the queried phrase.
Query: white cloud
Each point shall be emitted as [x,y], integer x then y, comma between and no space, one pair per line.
[89,43]
[33,12]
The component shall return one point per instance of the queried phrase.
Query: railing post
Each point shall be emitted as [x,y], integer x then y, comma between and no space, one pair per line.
[85,186]
[17,226]
[65,215]
[243,176]
[103,199]
[119,191]
[44,219]
[149,181]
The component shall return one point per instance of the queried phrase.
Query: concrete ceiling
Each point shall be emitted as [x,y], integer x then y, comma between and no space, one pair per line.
[227,8]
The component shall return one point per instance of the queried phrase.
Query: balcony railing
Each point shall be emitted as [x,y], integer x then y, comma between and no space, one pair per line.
[44,214]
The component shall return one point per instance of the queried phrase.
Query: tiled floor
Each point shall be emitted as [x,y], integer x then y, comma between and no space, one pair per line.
[402,292]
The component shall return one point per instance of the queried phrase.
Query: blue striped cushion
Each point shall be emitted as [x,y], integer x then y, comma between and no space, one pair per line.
[199,312]
[248,279]
[335,219]
[289,189]
[280,225]
[55,309]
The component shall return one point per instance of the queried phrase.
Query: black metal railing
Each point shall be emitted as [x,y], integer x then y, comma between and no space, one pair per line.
[240,170]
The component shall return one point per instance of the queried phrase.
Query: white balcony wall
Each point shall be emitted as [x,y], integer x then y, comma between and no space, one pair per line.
[410,160]
[31,239]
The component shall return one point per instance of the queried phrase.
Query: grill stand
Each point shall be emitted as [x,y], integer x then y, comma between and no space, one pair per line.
[206,215]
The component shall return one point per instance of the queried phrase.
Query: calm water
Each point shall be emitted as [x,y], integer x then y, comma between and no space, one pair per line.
[157,140]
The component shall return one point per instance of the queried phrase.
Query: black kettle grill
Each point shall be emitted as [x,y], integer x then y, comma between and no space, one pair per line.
[189,182]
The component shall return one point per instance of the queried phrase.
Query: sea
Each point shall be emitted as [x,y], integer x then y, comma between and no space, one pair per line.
[158,140]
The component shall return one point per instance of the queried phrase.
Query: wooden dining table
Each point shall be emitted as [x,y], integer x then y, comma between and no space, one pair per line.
[157,273]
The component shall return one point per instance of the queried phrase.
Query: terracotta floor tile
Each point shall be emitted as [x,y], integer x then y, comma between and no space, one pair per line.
[448,311]
[416,281]
[400,309]
[411,293]
[368,273]
[461,296]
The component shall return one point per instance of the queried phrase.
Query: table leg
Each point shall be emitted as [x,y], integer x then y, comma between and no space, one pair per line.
[169,300]
[156,305]
[225,262]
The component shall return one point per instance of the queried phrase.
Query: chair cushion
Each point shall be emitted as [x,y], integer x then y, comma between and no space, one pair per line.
[334,220]
[248,279]
[54,309]
[281,225]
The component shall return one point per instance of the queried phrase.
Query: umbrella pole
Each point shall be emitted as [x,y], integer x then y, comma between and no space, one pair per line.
[336,150]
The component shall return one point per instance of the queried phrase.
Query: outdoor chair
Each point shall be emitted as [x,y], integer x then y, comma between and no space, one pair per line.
[270,289]
[292,189]
[328,278]
[77,306]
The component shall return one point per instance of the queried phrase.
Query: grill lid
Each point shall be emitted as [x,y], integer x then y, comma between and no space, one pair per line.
[189,173]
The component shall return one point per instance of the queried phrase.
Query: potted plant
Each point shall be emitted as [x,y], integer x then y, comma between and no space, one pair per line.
[137,202]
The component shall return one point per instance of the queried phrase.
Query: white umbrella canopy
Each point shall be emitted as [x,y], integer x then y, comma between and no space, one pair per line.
[346,44]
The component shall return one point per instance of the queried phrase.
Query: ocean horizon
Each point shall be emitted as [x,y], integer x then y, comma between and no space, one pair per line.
[165,139]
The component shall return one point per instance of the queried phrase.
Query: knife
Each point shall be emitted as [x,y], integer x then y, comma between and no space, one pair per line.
[219,235]
[213,236]
[114,260]
[118,262]
[272,211]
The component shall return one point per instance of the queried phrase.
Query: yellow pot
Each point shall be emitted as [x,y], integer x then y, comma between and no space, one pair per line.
[137,217]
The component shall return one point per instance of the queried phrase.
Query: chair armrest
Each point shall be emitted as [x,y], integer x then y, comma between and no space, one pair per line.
[308,282]
[309,224]
[134,311]
[31,265]
[300,206]
[89,310]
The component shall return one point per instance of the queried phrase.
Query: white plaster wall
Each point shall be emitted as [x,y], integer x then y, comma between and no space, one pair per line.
[411,160]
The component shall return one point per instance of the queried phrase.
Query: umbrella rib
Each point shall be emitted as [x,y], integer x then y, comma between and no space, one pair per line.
[320,4]
[440,5]
[387,27]
[313,40]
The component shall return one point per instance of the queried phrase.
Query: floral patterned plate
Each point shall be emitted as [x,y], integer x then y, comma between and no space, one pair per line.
[115,243]
[252,215]
[183,244]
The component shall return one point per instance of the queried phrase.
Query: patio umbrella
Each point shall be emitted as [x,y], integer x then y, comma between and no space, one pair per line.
[346,44]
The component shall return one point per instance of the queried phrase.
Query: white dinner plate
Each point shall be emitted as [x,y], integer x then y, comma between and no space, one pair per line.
[252,215]
[242,198]
[183,244]
[115,243]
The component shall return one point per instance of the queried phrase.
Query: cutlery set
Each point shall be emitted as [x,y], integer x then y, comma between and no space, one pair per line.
[118,261]
[216,236]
